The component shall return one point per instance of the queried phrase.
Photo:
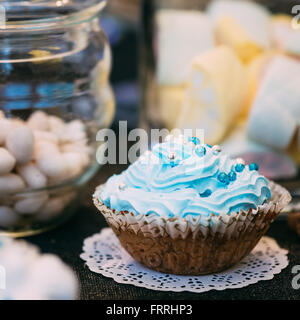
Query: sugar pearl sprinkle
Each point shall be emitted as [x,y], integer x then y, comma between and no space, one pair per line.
[172,156]
[216,149]
[253,166]
[122,186]
[200,151]
[194,140]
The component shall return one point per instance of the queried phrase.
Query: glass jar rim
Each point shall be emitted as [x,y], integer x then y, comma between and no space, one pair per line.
[46,14]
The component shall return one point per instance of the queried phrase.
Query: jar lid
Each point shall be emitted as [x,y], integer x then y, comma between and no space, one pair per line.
[32,14]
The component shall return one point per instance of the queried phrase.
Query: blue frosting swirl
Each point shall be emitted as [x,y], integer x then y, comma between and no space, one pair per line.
[183,178]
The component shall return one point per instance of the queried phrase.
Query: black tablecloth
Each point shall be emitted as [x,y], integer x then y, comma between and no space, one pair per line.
[66,241]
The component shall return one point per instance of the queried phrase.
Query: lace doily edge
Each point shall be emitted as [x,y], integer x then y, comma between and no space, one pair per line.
[88,242]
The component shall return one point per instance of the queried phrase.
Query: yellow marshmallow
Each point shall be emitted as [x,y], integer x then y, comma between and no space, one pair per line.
[212,102]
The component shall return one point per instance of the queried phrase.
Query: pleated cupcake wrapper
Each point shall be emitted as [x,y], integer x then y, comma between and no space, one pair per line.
[224,225]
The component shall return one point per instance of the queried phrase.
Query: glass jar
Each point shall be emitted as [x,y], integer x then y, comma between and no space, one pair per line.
[230,68]
[54,97]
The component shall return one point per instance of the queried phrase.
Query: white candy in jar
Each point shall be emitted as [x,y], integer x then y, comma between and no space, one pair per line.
[5,127]
[31,203]
[39,121]
[20,142]
[51,209]
[8,217]
[42,151]
[11,183]
[40,135]
[7,161]
[32,175]
[52,165]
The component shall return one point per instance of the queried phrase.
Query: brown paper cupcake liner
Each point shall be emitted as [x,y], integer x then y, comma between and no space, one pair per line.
[194,245]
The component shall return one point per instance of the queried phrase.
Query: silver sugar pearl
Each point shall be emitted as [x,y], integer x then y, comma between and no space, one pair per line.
[172,155]
[216,149]
[122,186]
[240,161]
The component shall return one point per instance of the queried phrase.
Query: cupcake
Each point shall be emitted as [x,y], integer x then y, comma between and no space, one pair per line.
[186,208]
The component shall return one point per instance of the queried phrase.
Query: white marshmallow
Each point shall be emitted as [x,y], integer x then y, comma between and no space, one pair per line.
[271,124]
[8,218]
[59,284]
[275,110]
[11,183]
[7,161]
[182,35]
[25,274]
[20,143]
[254,18]
[211,102]
[33,177]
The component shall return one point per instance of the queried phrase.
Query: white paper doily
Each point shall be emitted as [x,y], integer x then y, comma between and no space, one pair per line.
[104,254]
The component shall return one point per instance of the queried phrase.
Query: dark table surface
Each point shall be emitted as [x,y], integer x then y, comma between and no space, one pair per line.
[66,241]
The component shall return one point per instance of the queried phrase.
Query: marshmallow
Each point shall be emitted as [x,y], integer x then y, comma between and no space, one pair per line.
[247,25]
[182,35]
[170,102]
[275,110]
[212,102]
[284,37]
[25,274]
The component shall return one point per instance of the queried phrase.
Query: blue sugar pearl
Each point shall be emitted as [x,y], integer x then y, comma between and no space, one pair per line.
[232,176]
[239,167]
[223,177]
[206,193]
[194,140]
[200,151]
[253,166]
